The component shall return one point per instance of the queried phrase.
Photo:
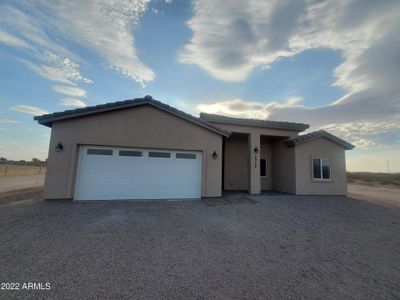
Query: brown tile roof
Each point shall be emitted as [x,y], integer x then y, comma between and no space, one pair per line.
[316,135]
[49,119]
[254,122]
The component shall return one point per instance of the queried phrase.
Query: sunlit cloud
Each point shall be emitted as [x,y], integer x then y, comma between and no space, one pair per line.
[32,28]
[71,102]
[105,27]
[70,91]
[366,134]
[378,132]
[246,109]
[45,56]
[58,68]
[36,111]
[236,38]
[11,40]
[8,121]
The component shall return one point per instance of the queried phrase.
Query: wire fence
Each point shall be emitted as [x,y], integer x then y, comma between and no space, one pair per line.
[11,169]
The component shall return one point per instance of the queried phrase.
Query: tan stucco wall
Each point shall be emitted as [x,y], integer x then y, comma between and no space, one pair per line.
[321,148]
[236,173]
[236,162]
[256,183]
[283,168]
[266,152]
[143,126]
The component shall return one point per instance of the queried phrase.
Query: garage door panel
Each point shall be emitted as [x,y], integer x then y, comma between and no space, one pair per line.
[108,177]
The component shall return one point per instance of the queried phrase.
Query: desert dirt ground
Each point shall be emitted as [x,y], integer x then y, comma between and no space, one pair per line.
[19,182]
[374,192]
[21,187]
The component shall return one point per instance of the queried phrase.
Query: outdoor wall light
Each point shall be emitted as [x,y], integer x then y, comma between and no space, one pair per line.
[255,150]
[59,147]
[215,155]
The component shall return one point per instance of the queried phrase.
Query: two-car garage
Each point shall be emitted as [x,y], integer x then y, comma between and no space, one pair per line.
[138,149]
[114,173]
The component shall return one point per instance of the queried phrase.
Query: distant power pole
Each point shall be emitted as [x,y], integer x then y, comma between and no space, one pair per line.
[387,165]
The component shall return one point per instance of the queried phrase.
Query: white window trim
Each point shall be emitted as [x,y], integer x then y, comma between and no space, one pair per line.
[312,169]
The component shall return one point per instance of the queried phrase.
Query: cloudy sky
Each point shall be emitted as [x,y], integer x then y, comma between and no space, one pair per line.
[332,64]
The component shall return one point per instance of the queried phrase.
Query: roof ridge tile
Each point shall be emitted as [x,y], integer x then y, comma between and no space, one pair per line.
[48,119]
[254,122]
[318,134]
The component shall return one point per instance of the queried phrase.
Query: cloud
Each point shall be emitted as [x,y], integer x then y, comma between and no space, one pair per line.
[246,109]
[29,109]
[72,102]
[365,134]
[11,40]
[46,57]
[105,27]
[60,69]
[235,108]
[378,132]
[32,28]
[70,91]
[7,121]
[236,38]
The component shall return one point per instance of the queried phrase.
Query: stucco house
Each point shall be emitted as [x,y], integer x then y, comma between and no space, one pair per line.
[145,149]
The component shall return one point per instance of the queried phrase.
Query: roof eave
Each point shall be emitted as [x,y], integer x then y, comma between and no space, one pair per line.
[48,120]
[289,128]
[344,144]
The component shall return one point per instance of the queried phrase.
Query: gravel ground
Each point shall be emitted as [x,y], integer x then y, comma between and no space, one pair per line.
[274,247]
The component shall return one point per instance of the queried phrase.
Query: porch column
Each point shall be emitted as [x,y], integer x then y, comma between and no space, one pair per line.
[254,172]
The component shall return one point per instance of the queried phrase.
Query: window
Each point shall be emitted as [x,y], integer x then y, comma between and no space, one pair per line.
[186,155]
[160,154]
[99,152]
[130,153]
[321,168]
[263,167]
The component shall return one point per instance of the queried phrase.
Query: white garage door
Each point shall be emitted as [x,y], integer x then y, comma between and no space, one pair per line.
[110,173]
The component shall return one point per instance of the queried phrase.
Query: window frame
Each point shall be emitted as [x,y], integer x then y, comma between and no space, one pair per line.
[99,151]
[184,155]
[159,154]
[266,167]
[321,179]
[130,153]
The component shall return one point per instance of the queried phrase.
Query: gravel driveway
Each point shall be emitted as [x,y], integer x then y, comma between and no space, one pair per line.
[281,247]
